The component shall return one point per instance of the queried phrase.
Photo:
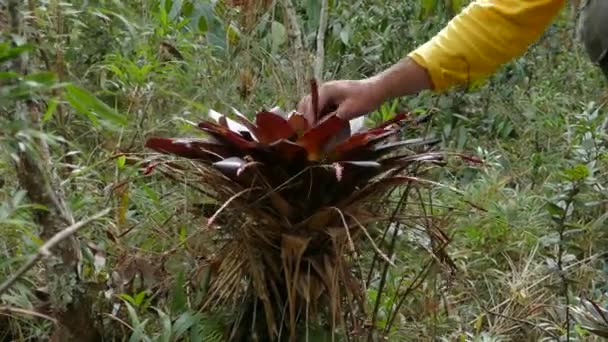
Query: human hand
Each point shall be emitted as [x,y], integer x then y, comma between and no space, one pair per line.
[347,99]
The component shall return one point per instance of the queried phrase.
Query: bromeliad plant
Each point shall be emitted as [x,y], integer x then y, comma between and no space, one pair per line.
[294,205]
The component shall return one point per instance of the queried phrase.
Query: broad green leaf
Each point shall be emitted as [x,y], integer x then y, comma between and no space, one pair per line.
[183,323]
[132,313]
[51,108]
[139,331]
[8,52]
[89,105]
[313,13]
[178,294]
[44,78]
[345,35]
[121,161]
[176,9]
[139,298]
[554,209]
[4,75]
[233,35]
[165,323]
[428,6]
[278,35]
[127,297]
[577,173]
[202,24]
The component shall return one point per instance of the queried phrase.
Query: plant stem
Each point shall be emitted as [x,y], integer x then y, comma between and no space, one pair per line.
[561,226]
[320,56]
[391,249]
[295,36]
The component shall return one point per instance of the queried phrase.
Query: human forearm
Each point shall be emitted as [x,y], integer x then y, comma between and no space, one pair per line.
[404,78]
[474,44]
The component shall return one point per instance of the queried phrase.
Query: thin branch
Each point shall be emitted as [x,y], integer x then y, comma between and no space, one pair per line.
[45,250]
[320,56]
[295,37]
[6,310]
[391,250]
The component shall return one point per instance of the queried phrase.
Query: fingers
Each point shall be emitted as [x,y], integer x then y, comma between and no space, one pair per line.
[326,93]
[347,112]
[304,107]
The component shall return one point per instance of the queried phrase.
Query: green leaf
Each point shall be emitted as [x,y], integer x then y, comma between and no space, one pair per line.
[127,297]
[175,9]
[7,52]
[139,298]
[5,75]
[183,323]
[51,108]
[428,6]
[202,24]
[233,35]
[457,5]
[139,332]
[43,78]
[554,209]
[132,313]
[89,105]
[577,173]
[278,35]
[165,322]
[179,301]
[345,35]
[121,161]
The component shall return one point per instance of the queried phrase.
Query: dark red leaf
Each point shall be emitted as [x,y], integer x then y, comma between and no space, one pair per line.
[314,91]
[315,138]
[471,159]
[288,150]
[298,123]
[188,148]
[150,168]
[358,141]
[272,127]
[225,135]
[242,119]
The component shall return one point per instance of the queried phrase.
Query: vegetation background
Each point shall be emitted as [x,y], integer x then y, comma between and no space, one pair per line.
[83,83]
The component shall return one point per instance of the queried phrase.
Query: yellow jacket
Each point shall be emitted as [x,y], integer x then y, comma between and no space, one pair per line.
[485,35]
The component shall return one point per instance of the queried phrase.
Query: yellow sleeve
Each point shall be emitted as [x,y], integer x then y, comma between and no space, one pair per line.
[485,35]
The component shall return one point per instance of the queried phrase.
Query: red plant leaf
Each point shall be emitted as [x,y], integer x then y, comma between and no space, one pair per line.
[242,119]
[225,135]
[149,168]
[298,123]
[314,91]
[352,145]
[471,159]
[272,127]
[188,148]
[288,150]
[315,138]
